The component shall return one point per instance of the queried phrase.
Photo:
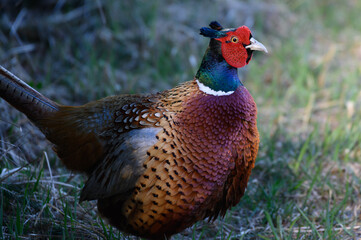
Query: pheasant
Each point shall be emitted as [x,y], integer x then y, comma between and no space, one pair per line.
[157,163]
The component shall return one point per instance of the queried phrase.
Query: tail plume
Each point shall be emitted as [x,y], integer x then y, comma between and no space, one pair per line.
[23,97]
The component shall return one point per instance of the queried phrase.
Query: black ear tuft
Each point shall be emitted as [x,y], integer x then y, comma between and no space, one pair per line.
[216,25]
[207,32]
[212,33]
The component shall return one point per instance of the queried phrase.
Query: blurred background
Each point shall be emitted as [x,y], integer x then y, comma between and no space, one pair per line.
[307,179]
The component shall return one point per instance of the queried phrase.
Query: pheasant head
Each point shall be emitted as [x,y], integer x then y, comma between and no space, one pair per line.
[228,50]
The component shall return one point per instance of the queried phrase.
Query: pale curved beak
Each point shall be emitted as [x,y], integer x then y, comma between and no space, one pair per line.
[256,46]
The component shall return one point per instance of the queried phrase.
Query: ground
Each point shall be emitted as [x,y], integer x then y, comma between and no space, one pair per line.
[307,179]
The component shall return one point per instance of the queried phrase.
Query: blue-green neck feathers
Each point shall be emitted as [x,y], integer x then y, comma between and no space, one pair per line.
[215,72]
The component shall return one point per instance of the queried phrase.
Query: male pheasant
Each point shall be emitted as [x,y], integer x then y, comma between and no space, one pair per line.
[158,163]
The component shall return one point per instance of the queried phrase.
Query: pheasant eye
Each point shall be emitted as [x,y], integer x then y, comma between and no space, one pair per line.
[234,39]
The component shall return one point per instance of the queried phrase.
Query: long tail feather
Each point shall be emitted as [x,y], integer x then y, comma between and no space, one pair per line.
[23,97]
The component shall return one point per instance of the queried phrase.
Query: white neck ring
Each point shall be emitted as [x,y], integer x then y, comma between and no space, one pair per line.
[210,91]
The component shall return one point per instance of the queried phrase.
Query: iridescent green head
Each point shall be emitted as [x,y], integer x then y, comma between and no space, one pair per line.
[228,50]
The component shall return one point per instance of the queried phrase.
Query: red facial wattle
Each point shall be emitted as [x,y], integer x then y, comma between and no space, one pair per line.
[234,52]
